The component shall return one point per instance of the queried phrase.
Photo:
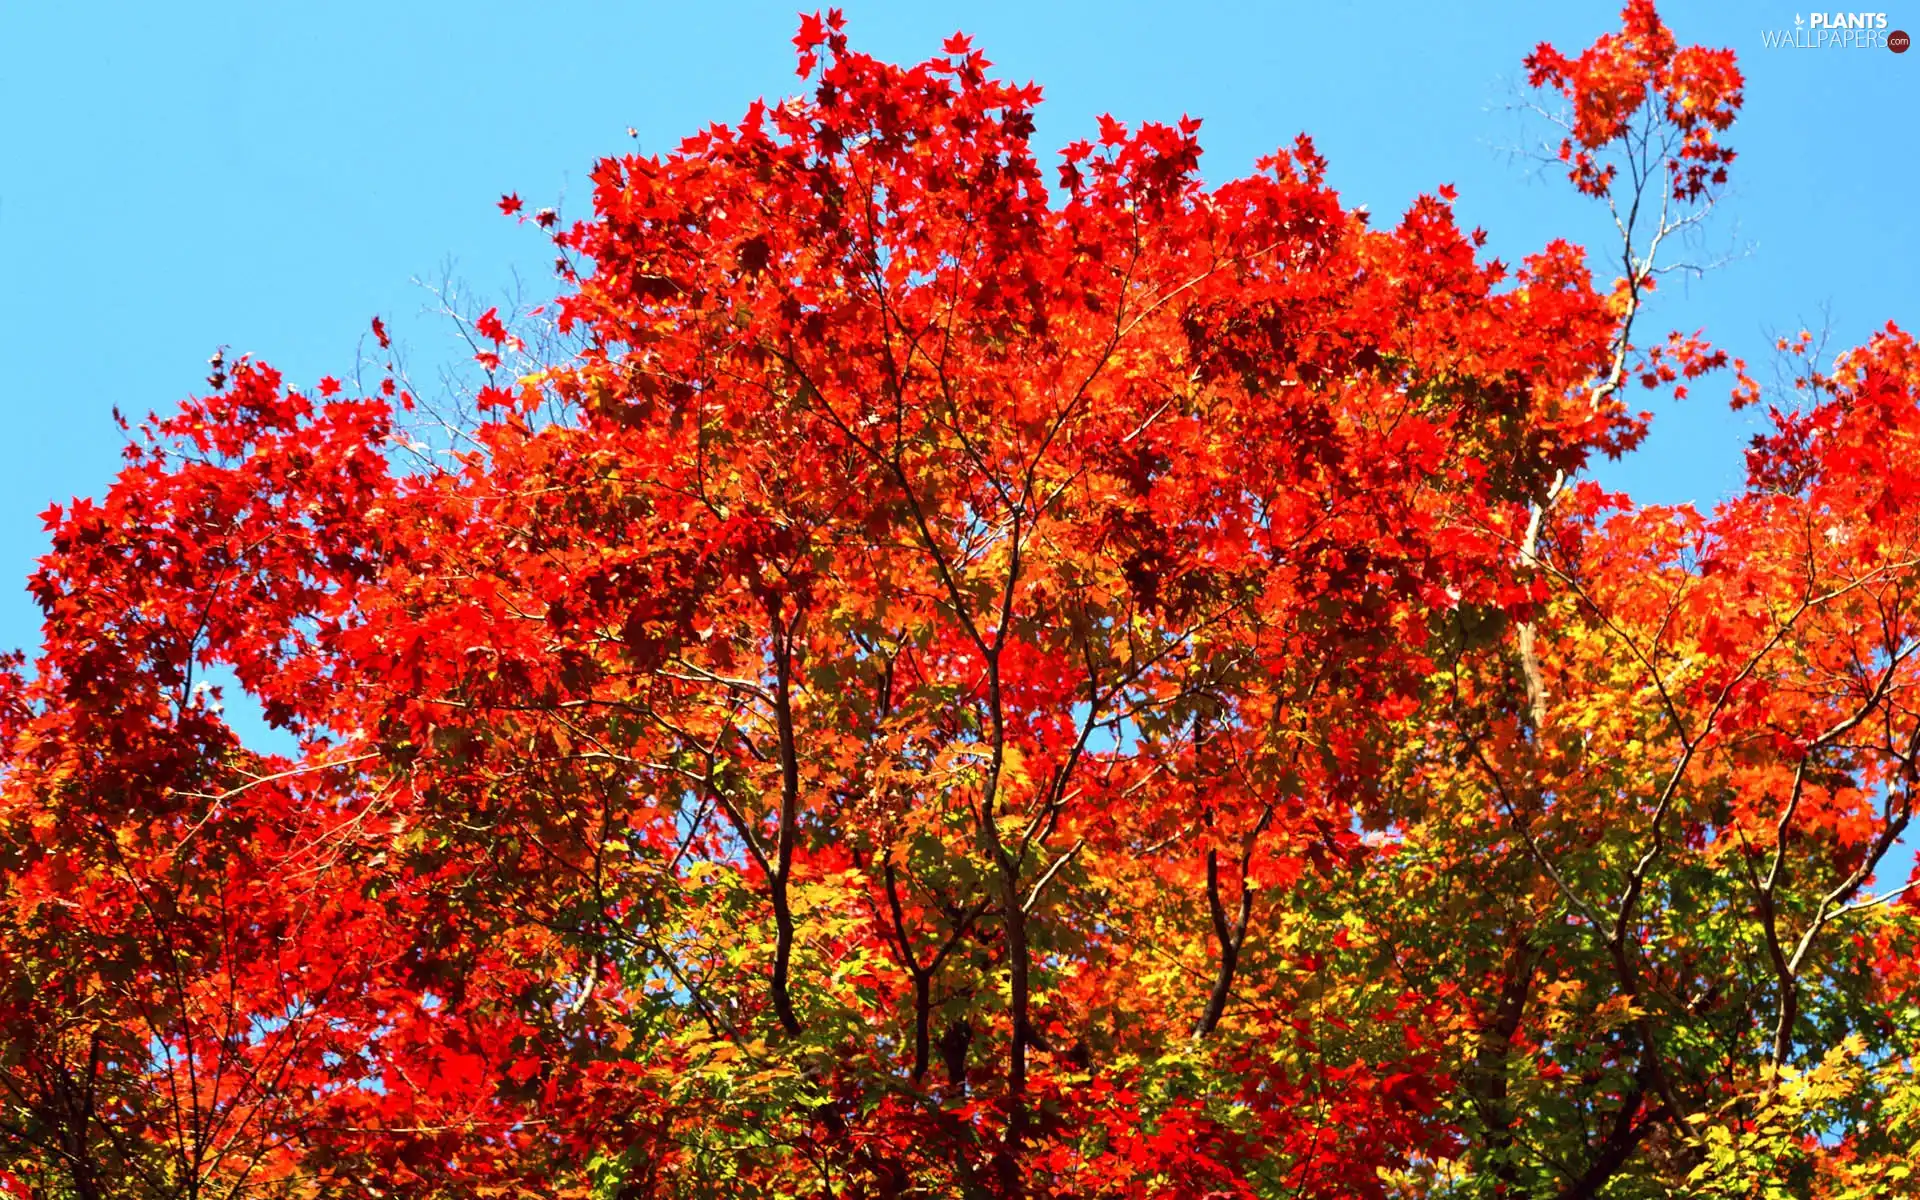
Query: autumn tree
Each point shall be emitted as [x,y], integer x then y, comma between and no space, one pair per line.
[974,682]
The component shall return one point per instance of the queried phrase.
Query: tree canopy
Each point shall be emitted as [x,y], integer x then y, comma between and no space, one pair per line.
[939,678]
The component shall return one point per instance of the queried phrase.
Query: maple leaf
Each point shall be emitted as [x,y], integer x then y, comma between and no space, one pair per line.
[489,326]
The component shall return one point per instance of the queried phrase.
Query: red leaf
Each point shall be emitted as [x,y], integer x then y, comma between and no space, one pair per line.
[488,323]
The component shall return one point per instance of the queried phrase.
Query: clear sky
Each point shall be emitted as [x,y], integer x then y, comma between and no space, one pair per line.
[269,176]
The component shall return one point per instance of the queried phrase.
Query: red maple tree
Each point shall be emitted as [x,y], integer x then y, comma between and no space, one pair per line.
[967,687]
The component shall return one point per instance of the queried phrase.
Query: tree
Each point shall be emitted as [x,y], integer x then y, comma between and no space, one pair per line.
[956,688]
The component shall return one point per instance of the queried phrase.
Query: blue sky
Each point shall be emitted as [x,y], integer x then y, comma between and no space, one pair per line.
[270,176]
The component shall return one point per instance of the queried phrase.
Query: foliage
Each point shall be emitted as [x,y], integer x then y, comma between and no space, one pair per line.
[962,688]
